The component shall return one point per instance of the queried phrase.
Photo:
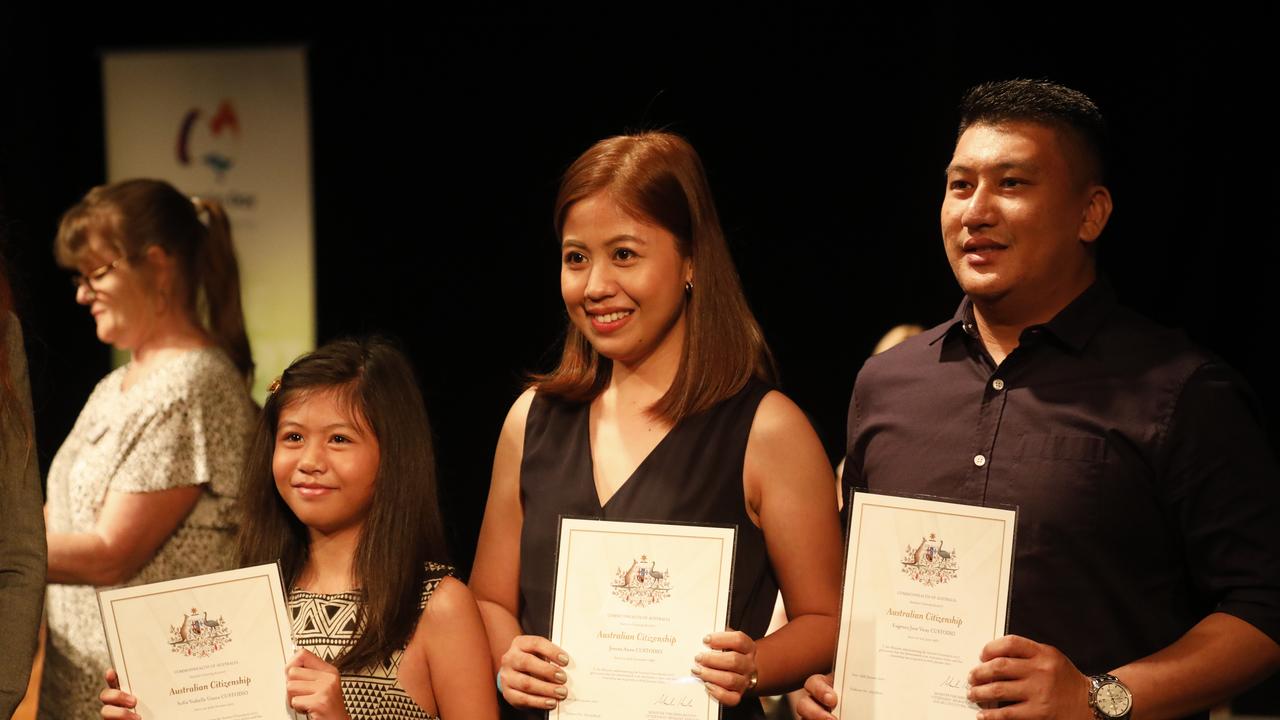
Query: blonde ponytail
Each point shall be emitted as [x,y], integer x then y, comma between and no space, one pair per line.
[218,280]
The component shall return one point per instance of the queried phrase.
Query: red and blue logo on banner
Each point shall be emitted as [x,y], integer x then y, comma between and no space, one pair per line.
[221,133]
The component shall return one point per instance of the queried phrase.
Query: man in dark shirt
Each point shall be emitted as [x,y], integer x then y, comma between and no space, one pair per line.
[1146,571]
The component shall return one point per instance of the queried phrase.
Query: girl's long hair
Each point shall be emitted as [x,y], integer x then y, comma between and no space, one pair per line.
[403,530]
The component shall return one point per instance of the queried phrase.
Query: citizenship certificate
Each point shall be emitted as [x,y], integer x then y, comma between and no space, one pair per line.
[633,601]
[926,586]
[209,647]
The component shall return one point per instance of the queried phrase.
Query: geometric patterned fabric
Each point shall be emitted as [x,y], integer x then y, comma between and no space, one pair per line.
[328,624]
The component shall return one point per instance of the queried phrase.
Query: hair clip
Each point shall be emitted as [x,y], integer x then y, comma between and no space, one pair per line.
[274,386]
[201,208]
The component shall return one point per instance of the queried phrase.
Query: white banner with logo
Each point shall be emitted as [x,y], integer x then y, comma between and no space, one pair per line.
[232,125]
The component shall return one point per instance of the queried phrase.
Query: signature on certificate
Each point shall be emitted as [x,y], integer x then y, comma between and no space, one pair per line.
[683,701]
[950,682]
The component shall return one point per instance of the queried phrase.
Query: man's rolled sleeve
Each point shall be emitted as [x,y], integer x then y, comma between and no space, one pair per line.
[1224,496]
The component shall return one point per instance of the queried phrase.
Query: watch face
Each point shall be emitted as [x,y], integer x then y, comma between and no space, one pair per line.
[1112,700]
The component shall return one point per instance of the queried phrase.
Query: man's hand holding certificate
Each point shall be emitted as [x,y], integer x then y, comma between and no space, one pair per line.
[926,587]
[633,603]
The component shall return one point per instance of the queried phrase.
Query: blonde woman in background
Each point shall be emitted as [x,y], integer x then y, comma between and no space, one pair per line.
[143,488]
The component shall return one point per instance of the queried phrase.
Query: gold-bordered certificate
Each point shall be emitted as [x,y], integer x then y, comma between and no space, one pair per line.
[926,585]
[632,604]
[209,647]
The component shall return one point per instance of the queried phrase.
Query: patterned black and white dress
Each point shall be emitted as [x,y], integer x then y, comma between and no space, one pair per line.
[327,624]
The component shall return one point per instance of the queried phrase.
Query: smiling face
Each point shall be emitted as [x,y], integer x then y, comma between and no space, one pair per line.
[1017,222]
[122,306]
[623,282]
[325,462]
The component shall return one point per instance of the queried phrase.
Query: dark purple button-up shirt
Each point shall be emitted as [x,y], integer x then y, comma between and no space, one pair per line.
[1146,489]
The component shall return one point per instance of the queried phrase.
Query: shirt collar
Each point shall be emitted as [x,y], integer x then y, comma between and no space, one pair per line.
[1074,325]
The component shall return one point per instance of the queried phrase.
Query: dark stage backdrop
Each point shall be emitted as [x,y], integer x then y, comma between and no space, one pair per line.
[439,138]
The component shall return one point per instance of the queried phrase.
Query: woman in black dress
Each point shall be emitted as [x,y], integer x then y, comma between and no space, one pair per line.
[661,409]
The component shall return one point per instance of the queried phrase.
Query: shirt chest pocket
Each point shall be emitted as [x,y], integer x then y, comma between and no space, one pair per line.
[1062,448]
[1056,480]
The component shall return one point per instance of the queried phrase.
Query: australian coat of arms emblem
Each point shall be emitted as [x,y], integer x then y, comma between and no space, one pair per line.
[642,584]
[198,636]
[929,564]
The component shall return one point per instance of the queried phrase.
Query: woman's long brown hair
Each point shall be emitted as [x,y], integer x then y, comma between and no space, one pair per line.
[658,177]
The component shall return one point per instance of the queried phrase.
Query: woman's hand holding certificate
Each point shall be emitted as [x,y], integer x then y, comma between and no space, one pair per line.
[729,672]
[635,602]
[531,675]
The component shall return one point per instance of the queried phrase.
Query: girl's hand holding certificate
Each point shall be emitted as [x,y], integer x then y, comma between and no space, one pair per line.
[116,703]
[323,462]
[314,688]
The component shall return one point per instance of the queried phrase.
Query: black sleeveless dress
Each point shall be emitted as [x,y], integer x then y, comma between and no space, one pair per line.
[693,475]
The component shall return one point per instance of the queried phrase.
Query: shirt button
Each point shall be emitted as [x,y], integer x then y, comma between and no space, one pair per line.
[979,460]
[997,384]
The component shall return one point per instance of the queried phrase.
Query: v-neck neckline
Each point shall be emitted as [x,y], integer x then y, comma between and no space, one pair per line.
[602,507]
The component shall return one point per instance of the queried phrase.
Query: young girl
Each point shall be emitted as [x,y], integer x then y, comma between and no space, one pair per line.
[382,630]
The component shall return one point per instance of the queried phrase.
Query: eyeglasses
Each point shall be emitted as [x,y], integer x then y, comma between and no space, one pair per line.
[86,280]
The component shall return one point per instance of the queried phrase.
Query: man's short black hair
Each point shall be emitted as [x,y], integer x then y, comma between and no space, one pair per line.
[1045,103]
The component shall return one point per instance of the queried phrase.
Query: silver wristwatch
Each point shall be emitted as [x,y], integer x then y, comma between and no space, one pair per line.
[1109,698]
